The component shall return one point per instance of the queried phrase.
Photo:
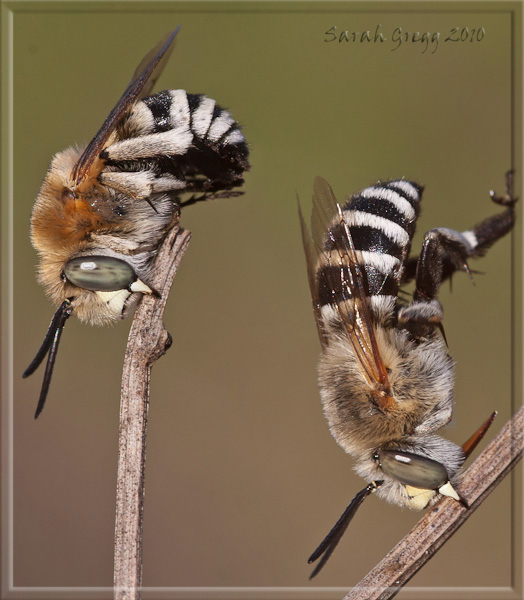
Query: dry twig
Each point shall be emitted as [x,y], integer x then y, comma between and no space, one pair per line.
[388,577]
[148,341]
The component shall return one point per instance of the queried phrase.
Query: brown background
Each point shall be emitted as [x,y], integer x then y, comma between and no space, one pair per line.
[243,478]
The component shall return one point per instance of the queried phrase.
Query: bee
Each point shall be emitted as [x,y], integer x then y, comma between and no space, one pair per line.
[102,211]
[385,374]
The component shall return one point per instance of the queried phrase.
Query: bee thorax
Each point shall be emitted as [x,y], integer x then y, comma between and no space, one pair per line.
[421,379]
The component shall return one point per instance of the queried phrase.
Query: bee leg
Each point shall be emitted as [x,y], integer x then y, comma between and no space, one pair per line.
[193,200]
[484,234]
[421,318]
[445,251]
[474,241]
[509,199]
[122,245]
[140,185]
[440,416]
[410,270]
[442,248]
[175,141]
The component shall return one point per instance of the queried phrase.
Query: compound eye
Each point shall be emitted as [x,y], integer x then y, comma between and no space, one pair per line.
[99,273]
[412,469]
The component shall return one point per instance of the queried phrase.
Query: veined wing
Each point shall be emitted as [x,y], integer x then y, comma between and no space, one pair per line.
[140,85]
[337,279]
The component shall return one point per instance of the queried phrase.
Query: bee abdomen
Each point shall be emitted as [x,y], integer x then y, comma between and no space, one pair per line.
[186,135]
[175,109]
[381,220]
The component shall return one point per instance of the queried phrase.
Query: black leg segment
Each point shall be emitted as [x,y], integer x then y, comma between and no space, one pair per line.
[445,251]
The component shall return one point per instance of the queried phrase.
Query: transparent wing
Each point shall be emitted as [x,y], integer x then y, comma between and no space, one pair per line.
[311,263]
[336,278]
[140,85]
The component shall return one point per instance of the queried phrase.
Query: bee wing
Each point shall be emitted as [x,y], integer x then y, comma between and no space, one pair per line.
[140,85]
[153,63]
[311,262]
[334,272]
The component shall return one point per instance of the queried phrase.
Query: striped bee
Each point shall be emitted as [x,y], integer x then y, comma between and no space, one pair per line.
[103,211]
[385,375]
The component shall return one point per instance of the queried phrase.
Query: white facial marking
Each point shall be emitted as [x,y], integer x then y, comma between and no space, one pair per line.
[115,300]
[419,498]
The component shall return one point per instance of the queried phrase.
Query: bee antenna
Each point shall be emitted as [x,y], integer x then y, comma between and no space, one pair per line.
[49,345]
[330,542]
[193,200]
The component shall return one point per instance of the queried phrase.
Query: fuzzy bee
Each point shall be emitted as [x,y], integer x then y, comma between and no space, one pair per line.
[385,375]
[103,210]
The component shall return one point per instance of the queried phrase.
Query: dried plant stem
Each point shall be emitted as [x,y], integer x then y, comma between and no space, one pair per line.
[430,533]
[148,341]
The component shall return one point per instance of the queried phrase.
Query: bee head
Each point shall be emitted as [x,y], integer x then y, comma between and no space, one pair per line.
[101,286]
[417,475]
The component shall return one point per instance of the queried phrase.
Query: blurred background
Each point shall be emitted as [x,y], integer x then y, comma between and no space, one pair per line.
[243,478]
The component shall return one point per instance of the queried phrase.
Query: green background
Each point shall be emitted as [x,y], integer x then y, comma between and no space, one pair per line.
[243,478]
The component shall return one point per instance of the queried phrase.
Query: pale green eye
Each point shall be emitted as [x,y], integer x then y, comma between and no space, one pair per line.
[99,273]
[411,469]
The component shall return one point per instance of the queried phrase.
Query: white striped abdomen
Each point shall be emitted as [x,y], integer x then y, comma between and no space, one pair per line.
[381,220]
[183,113]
